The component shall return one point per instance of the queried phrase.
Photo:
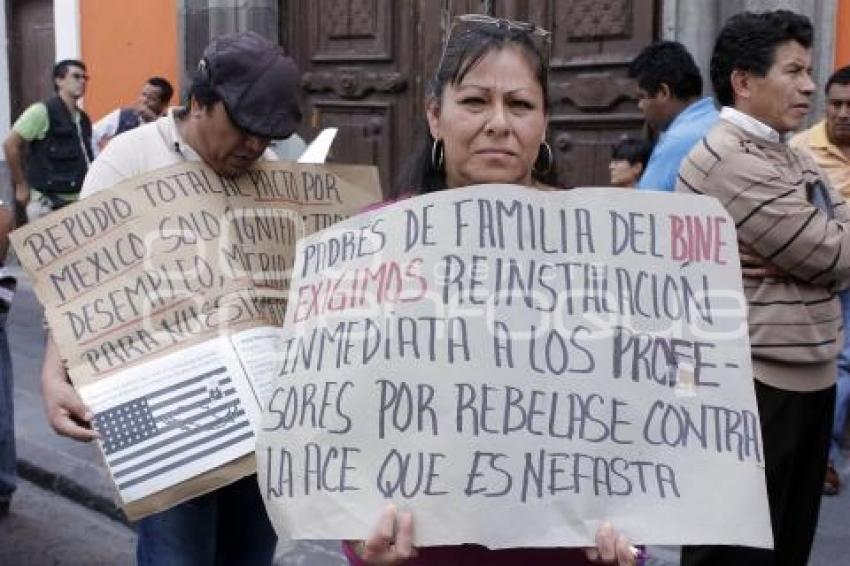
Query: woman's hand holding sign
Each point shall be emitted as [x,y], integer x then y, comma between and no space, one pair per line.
[612,547]
[391,543]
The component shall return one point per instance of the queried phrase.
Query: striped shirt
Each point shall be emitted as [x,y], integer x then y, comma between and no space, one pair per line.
[788,214]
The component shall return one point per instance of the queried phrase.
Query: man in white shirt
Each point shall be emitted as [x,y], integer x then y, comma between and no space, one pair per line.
[244,95]
[152,102]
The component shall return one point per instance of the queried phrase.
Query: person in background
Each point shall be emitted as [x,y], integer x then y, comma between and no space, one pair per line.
[58,133]
[8,460]
[786,213]
[152,103]
[628,160]
[487,109]
[245,94]
[670,97]
[828,142]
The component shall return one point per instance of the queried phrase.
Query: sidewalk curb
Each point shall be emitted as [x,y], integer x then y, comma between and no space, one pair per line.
[77,480]
[44,459]
[70,489]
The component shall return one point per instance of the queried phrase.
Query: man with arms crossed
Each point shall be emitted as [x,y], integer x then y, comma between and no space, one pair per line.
[787,214]
[151,104]
[828,142]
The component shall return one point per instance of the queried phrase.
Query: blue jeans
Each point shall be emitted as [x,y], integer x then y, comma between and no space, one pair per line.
[842,399]
[227,526]
[842,391]
[8,460]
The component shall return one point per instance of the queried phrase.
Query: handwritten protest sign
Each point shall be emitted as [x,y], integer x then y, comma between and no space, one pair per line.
[516,366]
[153,288]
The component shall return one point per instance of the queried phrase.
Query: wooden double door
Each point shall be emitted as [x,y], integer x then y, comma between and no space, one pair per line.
[31,51]
[366,64]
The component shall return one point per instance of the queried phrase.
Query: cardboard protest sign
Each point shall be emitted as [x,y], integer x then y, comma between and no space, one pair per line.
[516,366]
[153,288]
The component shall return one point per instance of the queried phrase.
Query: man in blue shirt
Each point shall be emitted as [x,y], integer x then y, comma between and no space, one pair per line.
[670,97]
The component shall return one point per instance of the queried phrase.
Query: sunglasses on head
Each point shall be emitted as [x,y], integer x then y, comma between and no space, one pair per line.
[539,37]
[483,20]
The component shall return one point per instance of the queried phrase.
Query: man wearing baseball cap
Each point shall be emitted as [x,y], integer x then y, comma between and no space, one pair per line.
[243,95]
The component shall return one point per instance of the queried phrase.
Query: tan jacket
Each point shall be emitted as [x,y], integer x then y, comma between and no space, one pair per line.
[767,188]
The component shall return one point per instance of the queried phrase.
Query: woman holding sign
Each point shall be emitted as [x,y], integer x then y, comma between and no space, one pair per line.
[487,110]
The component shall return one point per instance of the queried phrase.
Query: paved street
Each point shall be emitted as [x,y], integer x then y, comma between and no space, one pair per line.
[69,524]
[44,528]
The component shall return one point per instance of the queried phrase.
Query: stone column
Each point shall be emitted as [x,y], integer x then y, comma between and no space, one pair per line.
[202,20]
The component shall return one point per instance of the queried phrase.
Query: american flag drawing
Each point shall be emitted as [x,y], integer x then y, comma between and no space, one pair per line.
[171,428]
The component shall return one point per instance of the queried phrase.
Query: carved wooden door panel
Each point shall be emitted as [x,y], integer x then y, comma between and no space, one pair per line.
[366,63]
[31,52]
[594,103]
[356,57]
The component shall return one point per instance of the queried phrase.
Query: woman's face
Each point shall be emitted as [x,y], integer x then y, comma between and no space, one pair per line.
[492,123]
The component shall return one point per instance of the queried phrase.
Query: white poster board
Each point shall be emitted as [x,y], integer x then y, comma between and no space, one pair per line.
[516,366]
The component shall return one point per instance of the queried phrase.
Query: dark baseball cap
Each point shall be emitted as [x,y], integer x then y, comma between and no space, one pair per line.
[257,83]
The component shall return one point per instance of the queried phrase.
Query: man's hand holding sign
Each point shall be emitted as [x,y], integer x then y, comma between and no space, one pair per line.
[148,282]
[160,268]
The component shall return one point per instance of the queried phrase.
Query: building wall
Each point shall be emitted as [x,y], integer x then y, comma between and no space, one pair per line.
[842,34]
[202,20]
[66,25]
[124,43]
